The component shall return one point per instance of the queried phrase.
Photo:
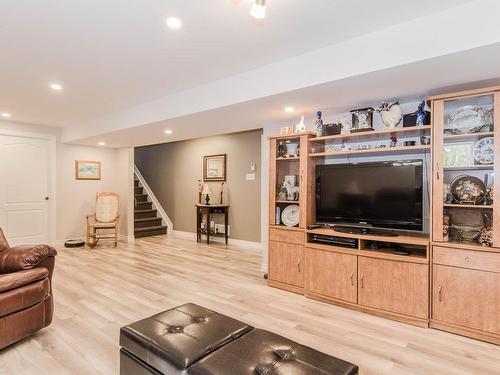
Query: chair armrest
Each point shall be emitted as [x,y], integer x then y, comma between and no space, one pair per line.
[15,280]
[24,257]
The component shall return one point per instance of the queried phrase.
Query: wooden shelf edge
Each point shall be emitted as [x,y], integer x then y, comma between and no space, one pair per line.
[287,287]
[473,206]
[291,135]
[284,227]
[289,159]
[394,257]
[465,246]
[464,331]
[371,133]
[419,322]
[423,240]
[385,150]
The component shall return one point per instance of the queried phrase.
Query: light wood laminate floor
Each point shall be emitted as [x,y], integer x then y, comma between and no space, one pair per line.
[98,291]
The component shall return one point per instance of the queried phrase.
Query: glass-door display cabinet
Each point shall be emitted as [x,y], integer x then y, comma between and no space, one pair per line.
[465,194]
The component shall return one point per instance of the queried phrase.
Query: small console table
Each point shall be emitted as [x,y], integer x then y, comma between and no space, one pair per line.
[208,211]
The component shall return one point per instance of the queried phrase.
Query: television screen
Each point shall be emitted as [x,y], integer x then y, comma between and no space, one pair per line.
[381,194]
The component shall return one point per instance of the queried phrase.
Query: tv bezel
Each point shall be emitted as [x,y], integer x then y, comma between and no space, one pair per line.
[394,225]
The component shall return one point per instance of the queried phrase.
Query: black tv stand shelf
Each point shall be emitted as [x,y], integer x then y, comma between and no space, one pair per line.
[363,230]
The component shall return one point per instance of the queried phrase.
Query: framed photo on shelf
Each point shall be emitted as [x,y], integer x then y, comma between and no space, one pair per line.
[87,170]
[214,167]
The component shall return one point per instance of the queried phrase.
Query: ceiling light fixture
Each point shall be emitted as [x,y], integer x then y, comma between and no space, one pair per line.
[258,10]
[6,115]
[173,23]
[56,86]
[289,109]
[168,131]
[102,143]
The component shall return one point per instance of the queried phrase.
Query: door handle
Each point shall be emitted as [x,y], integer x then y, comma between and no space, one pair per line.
[47,198]
[298,264]
[362,280]
[440,289]
[352,278]
[437,171]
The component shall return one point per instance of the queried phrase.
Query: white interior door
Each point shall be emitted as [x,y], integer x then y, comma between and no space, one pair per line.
[24,189]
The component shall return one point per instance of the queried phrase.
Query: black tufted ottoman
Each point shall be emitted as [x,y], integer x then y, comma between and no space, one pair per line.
[170,342]
[190,339]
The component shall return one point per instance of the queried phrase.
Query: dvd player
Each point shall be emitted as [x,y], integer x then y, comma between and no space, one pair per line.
[325,239]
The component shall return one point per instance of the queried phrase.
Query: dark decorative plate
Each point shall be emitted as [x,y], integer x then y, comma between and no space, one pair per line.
[468,189]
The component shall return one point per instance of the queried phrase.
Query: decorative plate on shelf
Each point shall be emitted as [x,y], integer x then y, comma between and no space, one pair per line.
[468,189]
[466,119]
[484,150]
[290,215]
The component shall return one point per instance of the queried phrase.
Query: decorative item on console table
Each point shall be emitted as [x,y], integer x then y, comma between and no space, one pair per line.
[207,192]
[362,120]
[200,189]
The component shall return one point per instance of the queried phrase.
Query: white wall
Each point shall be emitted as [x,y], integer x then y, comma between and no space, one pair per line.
[76,198]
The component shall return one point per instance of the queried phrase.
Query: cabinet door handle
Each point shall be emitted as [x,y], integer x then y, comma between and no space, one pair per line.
[301,175]
[298,264]
[352,278]
[440,289]
[437,171]
[362,280]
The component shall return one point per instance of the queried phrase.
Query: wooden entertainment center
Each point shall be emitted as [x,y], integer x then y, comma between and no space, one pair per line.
[446,283]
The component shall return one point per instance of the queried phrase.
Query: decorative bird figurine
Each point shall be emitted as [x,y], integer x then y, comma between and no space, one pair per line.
[391,114]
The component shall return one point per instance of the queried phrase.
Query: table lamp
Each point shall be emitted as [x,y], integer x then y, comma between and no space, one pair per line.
[207,192]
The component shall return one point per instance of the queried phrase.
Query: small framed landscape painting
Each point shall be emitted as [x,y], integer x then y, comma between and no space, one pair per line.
[87,170]
[214,167]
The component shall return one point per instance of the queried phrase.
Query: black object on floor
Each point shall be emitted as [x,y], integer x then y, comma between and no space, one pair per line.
[191,339]
[74,243]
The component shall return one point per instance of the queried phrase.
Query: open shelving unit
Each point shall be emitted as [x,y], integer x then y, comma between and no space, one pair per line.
[375,151]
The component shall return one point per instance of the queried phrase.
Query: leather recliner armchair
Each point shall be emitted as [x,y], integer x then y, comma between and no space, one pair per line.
[26,303]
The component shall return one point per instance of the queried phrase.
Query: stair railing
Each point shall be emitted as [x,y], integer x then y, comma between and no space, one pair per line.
[156,204]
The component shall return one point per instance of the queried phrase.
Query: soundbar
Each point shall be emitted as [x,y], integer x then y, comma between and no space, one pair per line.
[324,239]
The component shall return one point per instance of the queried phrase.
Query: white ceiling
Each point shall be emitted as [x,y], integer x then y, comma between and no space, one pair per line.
[115,54]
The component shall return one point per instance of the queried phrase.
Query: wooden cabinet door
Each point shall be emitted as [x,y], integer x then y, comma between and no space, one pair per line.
[332,274]
[286,263]
[394,286]
[466,297]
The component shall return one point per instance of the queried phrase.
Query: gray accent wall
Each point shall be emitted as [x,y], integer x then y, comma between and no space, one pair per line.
[172,170]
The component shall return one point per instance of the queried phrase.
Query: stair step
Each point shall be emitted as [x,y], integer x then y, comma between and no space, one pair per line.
[150,231]
[138,190]
[141,197]
[140,214]
[136,183]
[147,222]
[143,205]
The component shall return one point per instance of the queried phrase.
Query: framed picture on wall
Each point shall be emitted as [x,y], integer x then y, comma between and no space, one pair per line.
[87,170]
[214,167]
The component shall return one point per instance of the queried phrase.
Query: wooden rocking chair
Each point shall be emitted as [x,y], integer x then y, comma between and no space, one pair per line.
[105,218]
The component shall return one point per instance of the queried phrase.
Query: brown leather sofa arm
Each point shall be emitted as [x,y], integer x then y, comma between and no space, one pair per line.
[24,257]
[15,280]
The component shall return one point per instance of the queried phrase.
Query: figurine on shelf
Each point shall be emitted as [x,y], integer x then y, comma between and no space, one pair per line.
[394,140]
[345,121]
[318,125]
[446,228]
[447,196]
[391,114]
[281,149]
[489,195]
[300,127]
[486,235]
[282,193]
[422,114]
[345,145]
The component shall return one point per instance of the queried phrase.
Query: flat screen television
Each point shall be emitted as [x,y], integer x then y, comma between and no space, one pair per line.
[381,194]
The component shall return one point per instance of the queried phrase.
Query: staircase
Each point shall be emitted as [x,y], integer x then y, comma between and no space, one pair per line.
[146,220]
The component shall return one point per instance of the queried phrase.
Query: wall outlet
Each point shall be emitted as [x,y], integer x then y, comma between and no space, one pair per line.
[250,177]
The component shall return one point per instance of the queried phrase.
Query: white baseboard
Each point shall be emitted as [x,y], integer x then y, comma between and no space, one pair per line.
[264,268]
[231,241]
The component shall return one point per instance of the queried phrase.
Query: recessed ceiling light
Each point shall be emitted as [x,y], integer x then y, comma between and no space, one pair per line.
[174,23]
[6,115]
[258,10]
[102,143]
[289,109]
[55,86]
[168,131]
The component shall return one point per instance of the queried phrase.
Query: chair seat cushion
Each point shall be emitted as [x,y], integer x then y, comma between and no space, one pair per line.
[263,352]
[103,225]
[175,339]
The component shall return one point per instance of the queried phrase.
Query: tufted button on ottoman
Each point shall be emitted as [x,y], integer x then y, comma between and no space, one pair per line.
[264,353]
[170,342]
